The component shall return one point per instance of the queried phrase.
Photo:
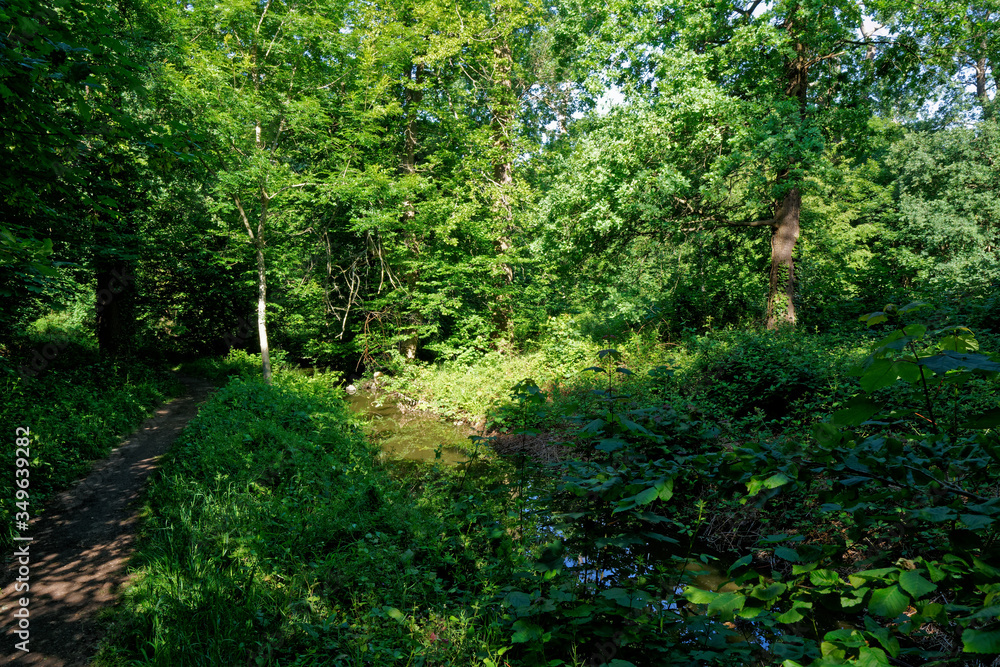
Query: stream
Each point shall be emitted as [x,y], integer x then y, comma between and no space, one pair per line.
[405,434]
[417,435]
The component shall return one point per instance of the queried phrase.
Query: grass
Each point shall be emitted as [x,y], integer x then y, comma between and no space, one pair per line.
[273,536]
[746,378]
[77,410]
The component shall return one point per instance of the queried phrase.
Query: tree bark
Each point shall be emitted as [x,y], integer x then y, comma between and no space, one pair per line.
[265,355]
[503,112]
[115,303]
[258,243]
[413,97]
[785,234]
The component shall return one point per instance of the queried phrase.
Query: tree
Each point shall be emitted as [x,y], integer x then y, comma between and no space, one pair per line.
[260,81]
[68,83]
[796,77]
[956,42]
[946,216]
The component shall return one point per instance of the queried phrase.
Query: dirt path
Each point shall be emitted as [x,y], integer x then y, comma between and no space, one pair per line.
[82,543]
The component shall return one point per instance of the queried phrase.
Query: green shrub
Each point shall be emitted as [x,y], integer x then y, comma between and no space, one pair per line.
[76,411]
[271,536]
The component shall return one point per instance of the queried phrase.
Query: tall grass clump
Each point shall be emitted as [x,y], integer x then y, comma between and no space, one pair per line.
[76,411]
[272,536]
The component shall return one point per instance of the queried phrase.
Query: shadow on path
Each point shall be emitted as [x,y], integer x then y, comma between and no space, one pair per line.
[82,542]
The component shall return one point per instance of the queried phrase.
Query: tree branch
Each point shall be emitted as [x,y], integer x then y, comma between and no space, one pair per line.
[729,223]
[243,215]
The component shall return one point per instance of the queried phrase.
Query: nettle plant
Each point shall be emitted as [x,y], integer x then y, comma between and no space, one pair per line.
[918,504]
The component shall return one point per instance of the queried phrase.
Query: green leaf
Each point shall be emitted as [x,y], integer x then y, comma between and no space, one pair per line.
[642,498]
[858,578]
[610,445]
[634,600]
[871,319]
[632,426]
[988,613]
[907,370]
[912,306]
[935,514]
[767,593]
[984,568]
[579,612]
[826,434]
[880,374]
[394,613]
[980,641]
[666,489]
[915,584]
[989,419]
[935,572]
[975,521]
[803,568]
[824,578]
[525,632]
[660,537]
[872,657]
[785,553]
[890,602]
[699,595]
[742,562]
[949,360]
[518,600]
[794,615]
[857,410]
[726,604]
[774,481]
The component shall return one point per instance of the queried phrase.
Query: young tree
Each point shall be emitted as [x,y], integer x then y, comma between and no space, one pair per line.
[260,80]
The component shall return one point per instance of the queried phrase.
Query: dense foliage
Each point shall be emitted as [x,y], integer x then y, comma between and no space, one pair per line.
[434,181]
[692,200]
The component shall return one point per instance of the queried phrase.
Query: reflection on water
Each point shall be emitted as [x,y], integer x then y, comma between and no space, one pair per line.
[410,435]
[667,570]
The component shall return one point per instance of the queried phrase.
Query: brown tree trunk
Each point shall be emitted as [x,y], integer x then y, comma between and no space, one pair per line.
[115,302]
[781,292]
[785,229]
[981,82]
[413,97]
[503,112]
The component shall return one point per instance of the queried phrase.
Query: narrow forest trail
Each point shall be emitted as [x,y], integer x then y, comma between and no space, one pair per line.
[83,541]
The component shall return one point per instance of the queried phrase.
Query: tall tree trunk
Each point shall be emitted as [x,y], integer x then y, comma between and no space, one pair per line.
[115,293]
[785,229]
[504,108]
[115,302]
[413,320]
[980,66]
[265,355]
[785,234]
[257,240]
[413,97]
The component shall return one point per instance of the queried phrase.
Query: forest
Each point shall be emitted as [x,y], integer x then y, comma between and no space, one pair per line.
[707,289]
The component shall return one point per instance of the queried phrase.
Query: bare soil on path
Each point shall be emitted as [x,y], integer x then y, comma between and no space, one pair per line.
[81,545]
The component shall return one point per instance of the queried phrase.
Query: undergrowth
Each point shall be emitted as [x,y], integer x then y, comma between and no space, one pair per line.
[76,410]
[272,536]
